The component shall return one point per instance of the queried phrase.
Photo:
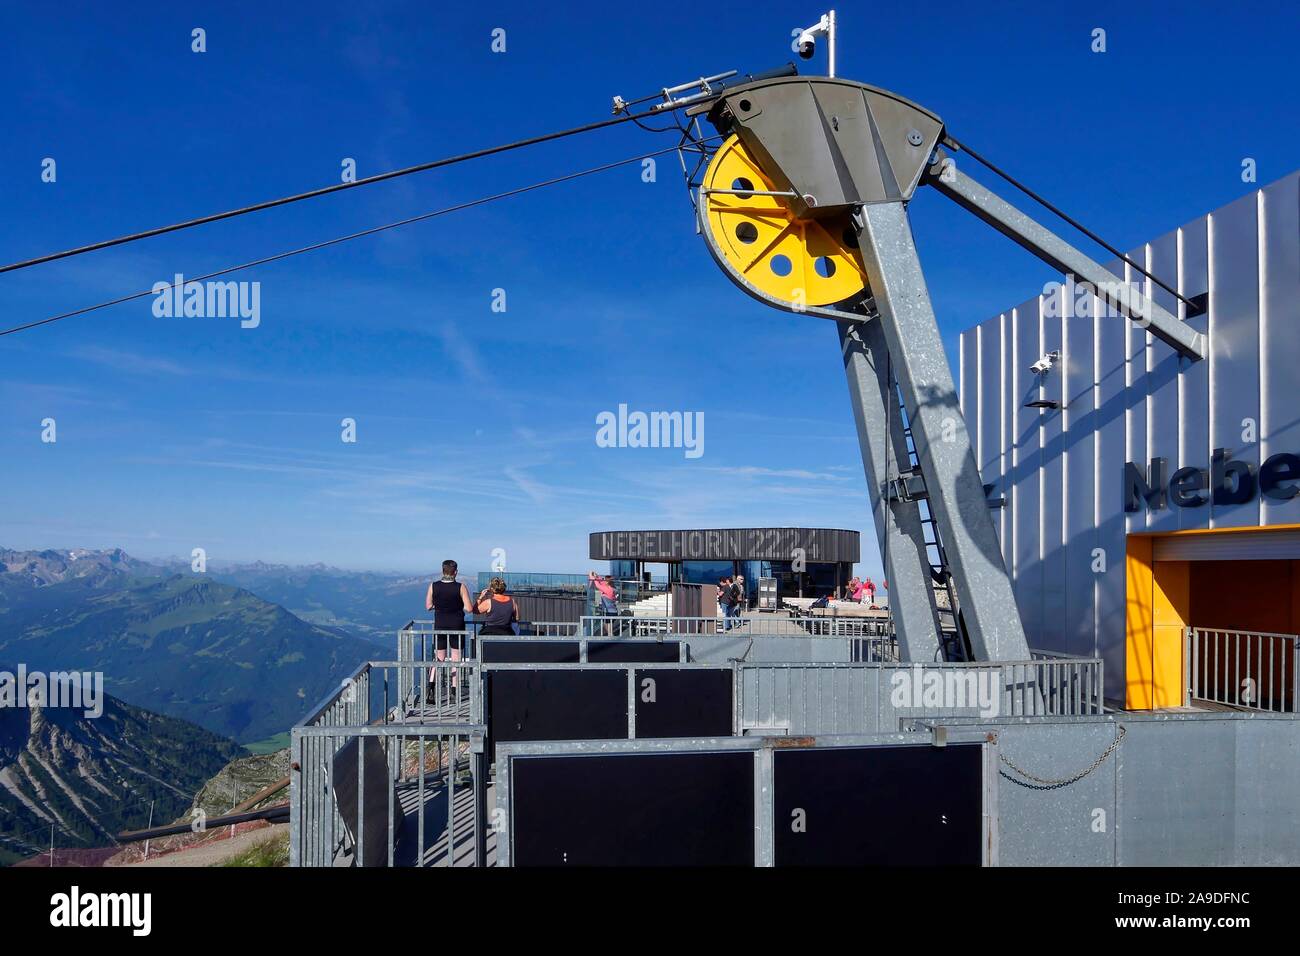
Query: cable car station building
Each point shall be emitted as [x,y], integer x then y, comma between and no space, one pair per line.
[1139,494]
[805,561]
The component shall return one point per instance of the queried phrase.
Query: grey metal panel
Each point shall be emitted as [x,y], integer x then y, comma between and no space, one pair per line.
[1163,418]
[1241,546]
[1052,480]
[1025,461]
[1112,400]
[1177,787]
[1080,418]
[1280,334]
[1059,826]
[1234,344]
[988,421]
[1268,816]
[967,384]
[534,607]
[1194,382]
[1136,383]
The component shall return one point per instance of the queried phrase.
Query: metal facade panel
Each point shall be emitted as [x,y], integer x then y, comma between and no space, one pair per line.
[1138,400]
[1026,459]
[1112,397]
[1234,346]
[1135,379]
[1080,417]
[1280,334]
[1239,546]
[1163,418]
[967,383]
[988,424]
[1194,383]
[1052,477]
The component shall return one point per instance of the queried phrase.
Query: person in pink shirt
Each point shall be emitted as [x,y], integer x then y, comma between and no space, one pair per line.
[605,591]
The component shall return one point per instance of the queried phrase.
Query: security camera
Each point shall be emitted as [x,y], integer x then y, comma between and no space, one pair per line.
[805,43]
[1044,364]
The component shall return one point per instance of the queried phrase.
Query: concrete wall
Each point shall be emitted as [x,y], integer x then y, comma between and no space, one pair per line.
[1127,397]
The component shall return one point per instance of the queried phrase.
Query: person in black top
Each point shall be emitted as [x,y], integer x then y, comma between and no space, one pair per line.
[448,599]
[726,597]
[500,610]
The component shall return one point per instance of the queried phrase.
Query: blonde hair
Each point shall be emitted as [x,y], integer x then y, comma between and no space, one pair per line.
[497,585]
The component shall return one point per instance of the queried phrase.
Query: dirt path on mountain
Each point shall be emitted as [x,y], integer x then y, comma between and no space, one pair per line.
[216,851]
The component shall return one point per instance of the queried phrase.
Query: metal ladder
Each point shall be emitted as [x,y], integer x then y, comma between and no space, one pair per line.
[909,485]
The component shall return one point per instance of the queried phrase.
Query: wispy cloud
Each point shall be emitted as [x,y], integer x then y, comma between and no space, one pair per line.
[132,362]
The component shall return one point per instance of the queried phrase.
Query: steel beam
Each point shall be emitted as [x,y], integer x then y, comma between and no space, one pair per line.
[898,528]
[956,493]
[1060,255]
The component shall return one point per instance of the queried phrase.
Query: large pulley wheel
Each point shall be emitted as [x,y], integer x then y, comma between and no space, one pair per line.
[800,262]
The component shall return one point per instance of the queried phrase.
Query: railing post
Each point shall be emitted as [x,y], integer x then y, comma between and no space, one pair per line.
[295,798]
[1188,644]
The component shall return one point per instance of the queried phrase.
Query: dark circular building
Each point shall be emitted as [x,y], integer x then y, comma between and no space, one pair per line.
[805,561]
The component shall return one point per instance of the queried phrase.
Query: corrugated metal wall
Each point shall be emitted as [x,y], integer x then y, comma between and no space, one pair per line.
[1128,397]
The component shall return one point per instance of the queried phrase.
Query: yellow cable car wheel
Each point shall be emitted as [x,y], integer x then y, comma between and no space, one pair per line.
[801,262]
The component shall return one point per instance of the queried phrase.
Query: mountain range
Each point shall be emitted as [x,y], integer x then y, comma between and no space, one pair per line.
[78,781]
[185,645]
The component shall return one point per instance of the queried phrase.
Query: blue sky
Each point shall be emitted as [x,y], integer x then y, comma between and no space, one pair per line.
[476,429]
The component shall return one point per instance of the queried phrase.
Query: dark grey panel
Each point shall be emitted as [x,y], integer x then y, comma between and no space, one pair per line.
[730,544]
[534,607]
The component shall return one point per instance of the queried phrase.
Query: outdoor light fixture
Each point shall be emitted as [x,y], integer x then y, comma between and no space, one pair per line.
[1040,369]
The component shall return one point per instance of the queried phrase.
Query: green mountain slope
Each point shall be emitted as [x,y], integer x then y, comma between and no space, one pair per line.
[91,778]
[183,645]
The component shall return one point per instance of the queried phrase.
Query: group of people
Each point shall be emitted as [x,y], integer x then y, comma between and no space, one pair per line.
[859,590]
[732,599]
[449,601]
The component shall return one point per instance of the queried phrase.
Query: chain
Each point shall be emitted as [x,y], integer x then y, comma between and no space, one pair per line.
[1064,781]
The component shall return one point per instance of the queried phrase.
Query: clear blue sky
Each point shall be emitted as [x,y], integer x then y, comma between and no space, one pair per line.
[476,429]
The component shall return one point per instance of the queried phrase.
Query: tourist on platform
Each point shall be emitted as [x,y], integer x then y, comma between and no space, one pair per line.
[448,599]
[499,609]
[726,598]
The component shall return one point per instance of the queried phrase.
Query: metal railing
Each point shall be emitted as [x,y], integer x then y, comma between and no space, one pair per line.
[419,641]
[1250,670]
[417,752]
[868,640]
[408,737]
[749,626]
[854,698]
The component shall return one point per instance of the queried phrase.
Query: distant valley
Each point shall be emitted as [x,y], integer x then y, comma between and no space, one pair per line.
[202,647]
